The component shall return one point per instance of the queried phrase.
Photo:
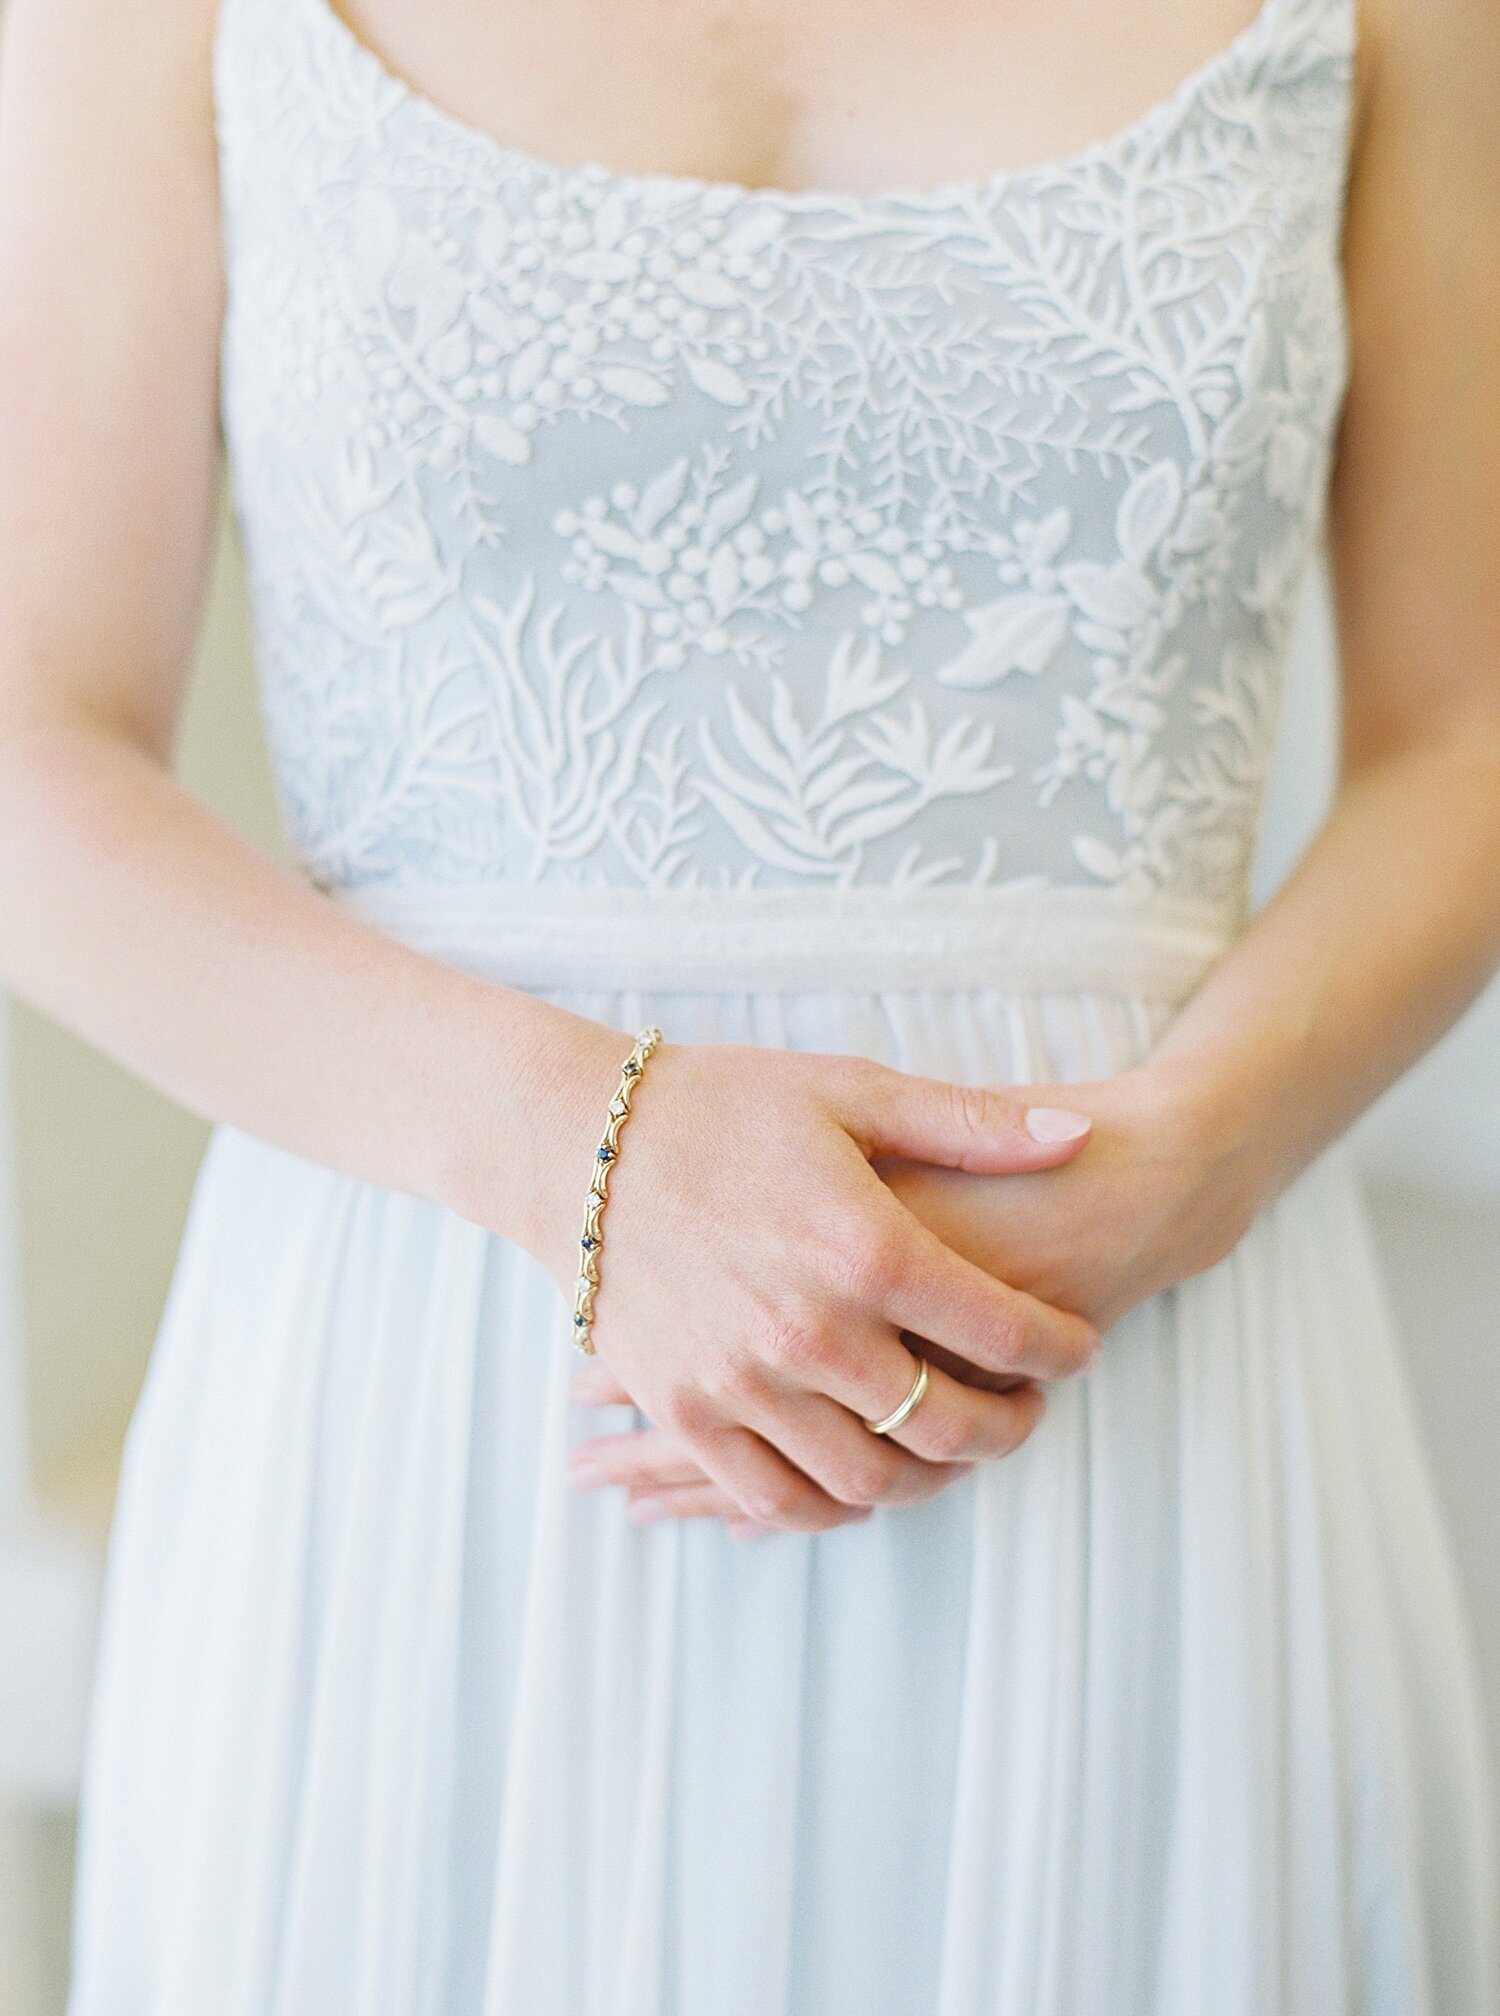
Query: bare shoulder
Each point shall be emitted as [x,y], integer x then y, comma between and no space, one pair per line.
[100,51]
[1423,236]
[1431,75]
[1416,490]
[92,90]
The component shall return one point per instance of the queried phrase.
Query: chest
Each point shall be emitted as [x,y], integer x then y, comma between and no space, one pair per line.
[848,94]
[628,524]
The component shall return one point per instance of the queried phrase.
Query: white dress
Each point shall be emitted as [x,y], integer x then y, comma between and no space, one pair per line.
[846,622]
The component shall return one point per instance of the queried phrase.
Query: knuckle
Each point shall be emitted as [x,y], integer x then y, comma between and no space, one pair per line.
[947,1438]
[860,1480]
[1010,1342]
[732,1375]
[788,1339]
[1025,1413]
[870,1261]
[823,1343]
[855,1082]
[690,1414]
[845,1238]
[886,1258]
[973,1109]
[772,1500]
[1076,1342]
[736,1381]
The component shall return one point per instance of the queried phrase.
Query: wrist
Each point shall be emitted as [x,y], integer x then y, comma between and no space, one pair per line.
[526,1127]
[1243,1076]
[1225,1141]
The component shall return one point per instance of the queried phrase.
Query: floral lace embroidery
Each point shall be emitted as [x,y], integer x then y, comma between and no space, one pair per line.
[639,529]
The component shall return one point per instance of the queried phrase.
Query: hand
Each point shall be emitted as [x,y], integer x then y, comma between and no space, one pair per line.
[1168,1186]
[756,1274]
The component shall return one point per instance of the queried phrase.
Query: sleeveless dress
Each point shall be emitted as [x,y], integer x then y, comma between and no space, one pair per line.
[845,622]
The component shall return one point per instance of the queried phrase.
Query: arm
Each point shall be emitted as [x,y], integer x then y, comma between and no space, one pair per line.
[1390,925]
[126,908]
[141,920]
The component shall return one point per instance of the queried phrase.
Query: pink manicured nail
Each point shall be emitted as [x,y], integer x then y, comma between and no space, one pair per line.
[746,1529]
[1056,1123]
[644,1510]
[583,1470]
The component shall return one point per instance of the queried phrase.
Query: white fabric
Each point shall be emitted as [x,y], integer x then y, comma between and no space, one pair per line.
[1174,1710]
[1031,940]
[648,531]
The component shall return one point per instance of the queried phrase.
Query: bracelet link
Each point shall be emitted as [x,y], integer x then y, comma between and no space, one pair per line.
[592,1238]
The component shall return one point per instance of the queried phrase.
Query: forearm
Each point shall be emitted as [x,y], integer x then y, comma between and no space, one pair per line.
[134,915]
[1386,931]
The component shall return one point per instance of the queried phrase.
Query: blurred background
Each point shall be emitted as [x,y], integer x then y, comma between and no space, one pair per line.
[95,1174]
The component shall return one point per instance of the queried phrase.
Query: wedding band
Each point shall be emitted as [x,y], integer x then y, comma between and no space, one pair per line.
[894,1419]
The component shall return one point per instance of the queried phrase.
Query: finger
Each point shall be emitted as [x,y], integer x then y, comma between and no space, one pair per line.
[764,1485]
[867,1371]
[962,1369]
[921,1284]
[989,1129]
[705,1502]
[643,1456]
[953,1422]
[819,1437]
[595,1385]
[957,1423]
[682,1501]
[860,1363]
[834,1447]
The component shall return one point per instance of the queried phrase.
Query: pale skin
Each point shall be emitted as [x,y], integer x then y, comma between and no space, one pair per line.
[136,916]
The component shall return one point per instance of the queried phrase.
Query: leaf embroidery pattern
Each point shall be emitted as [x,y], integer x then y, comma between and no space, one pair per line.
[646,530]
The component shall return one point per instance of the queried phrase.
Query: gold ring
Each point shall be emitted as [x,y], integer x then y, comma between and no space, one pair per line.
[900,1414]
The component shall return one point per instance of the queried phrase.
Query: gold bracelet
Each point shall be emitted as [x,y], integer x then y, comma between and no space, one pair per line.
[592,1239]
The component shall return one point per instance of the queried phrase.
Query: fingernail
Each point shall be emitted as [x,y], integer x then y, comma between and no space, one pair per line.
[746,1529]
[583,1470]
[644,1510]
[1056,1123]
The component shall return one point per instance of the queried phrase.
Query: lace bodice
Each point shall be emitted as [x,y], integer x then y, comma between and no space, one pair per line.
[644,530]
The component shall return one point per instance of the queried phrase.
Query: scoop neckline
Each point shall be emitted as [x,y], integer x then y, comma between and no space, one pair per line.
[1162,113]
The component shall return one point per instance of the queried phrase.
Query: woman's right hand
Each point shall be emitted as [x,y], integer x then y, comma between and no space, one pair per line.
[756,1272]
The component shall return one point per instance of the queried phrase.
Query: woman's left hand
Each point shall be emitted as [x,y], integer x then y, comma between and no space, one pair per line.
[1170,1180]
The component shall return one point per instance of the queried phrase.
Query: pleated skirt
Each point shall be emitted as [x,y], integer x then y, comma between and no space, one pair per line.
[1171,1713]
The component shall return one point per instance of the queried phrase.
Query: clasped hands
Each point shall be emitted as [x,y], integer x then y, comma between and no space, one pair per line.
[786,1228]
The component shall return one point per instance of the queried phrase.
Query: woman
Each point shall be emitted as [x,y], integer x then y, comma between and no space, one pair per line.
[818,585]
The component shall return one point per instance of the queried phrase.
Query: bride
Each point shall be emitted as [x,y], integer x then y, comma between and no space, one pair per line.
[776,1397]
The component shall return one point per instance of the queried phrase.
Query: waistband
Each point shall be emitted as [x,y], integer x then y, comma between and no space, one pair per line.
[1017,937]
